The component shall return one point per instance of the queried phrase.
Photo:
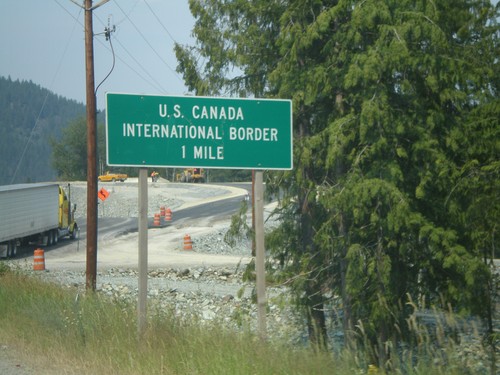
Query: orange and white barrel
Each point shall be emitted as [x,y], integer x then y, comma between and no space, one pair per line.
[168,214]
[188,243]
[157,220]
[39,260]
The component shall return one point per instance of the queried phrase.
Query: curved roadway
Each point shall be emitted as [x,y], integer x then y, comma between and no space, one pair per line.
[219,209]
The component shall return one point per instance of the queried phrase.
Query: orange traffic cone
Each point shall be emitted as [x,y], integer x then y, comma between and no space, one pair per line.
[162,211]
[39,260]
[188,244]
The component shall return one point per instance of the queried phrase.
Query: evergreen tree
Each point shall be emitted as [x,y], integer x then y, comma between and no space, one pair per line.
[69,155]
[395,187]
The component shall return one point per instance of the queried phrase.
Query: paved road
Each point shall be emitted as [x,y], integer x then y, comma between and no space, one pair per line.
[111,227]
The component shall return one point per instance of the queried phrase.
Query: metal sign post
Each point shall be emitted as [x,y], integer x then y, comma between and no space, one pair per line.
[103,194]
[143,251]
[260,255]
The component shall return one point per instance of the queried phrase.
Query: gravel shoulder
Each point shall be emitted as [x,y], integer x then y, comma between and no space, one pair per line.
[11,363]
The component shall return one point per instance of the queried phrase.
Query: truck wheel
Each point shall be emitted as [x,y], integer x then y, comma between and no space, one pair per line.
[50,238]
[12,249]
[74,235]
[56,237]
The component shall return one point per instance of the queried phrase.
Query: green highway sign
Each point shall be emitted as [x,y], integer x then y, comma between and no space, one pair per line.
[190,131]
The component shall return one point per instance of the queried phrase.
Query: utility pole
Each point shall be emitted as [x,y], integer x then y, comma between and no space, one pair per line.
[91,270]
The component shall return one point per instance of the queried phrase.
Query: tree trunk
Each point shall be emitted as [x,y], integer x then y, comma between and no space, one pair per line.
[316,322]
[346,298]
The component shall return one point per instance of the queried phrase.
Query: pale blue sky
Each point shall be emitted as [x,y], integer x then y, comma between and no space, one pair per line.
[43,41]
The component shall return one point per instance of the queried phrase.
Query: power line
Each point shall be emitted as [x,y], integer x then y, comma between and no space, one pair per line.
[70,14]
[129,12]
[153,82]
[48,92]
[149,44]
[159,21]
[107,32]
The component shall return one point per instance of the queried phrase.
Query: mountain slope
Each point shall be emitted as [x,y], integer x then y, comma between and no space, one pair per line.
[29,116]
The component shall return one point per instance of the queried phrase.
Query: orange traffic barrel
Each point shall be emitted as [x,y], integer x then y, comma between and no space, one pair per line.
[188,244]
[39,260]
[162,211]
[156,221]
[168,214]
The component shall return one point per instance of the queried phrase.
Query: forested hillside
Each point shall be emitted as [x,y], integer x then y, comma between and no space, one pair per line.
[29,116]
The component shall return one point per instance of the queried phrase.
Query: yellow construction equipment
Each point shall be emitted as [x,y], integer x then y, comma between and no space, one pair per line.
[191,175]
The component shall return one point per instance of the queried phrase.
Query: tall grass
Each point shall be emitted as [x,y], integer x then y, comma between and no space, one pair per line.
[89,334]
[63,332]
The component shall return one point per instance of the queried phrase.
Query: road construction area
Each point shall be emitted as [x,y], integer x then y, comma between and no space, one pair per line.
[118,236]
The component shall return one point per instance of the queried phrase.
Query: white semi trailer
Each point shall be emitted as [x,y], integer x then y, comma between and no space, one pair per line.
[34,213]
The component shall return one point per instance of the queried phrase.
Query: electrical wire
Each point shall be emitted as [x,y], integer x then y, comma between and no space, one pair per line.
[159,21]
[108,37]
[77,21]
[47,94]
[153,82]
[148,43]
[70,14]
[129,12]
